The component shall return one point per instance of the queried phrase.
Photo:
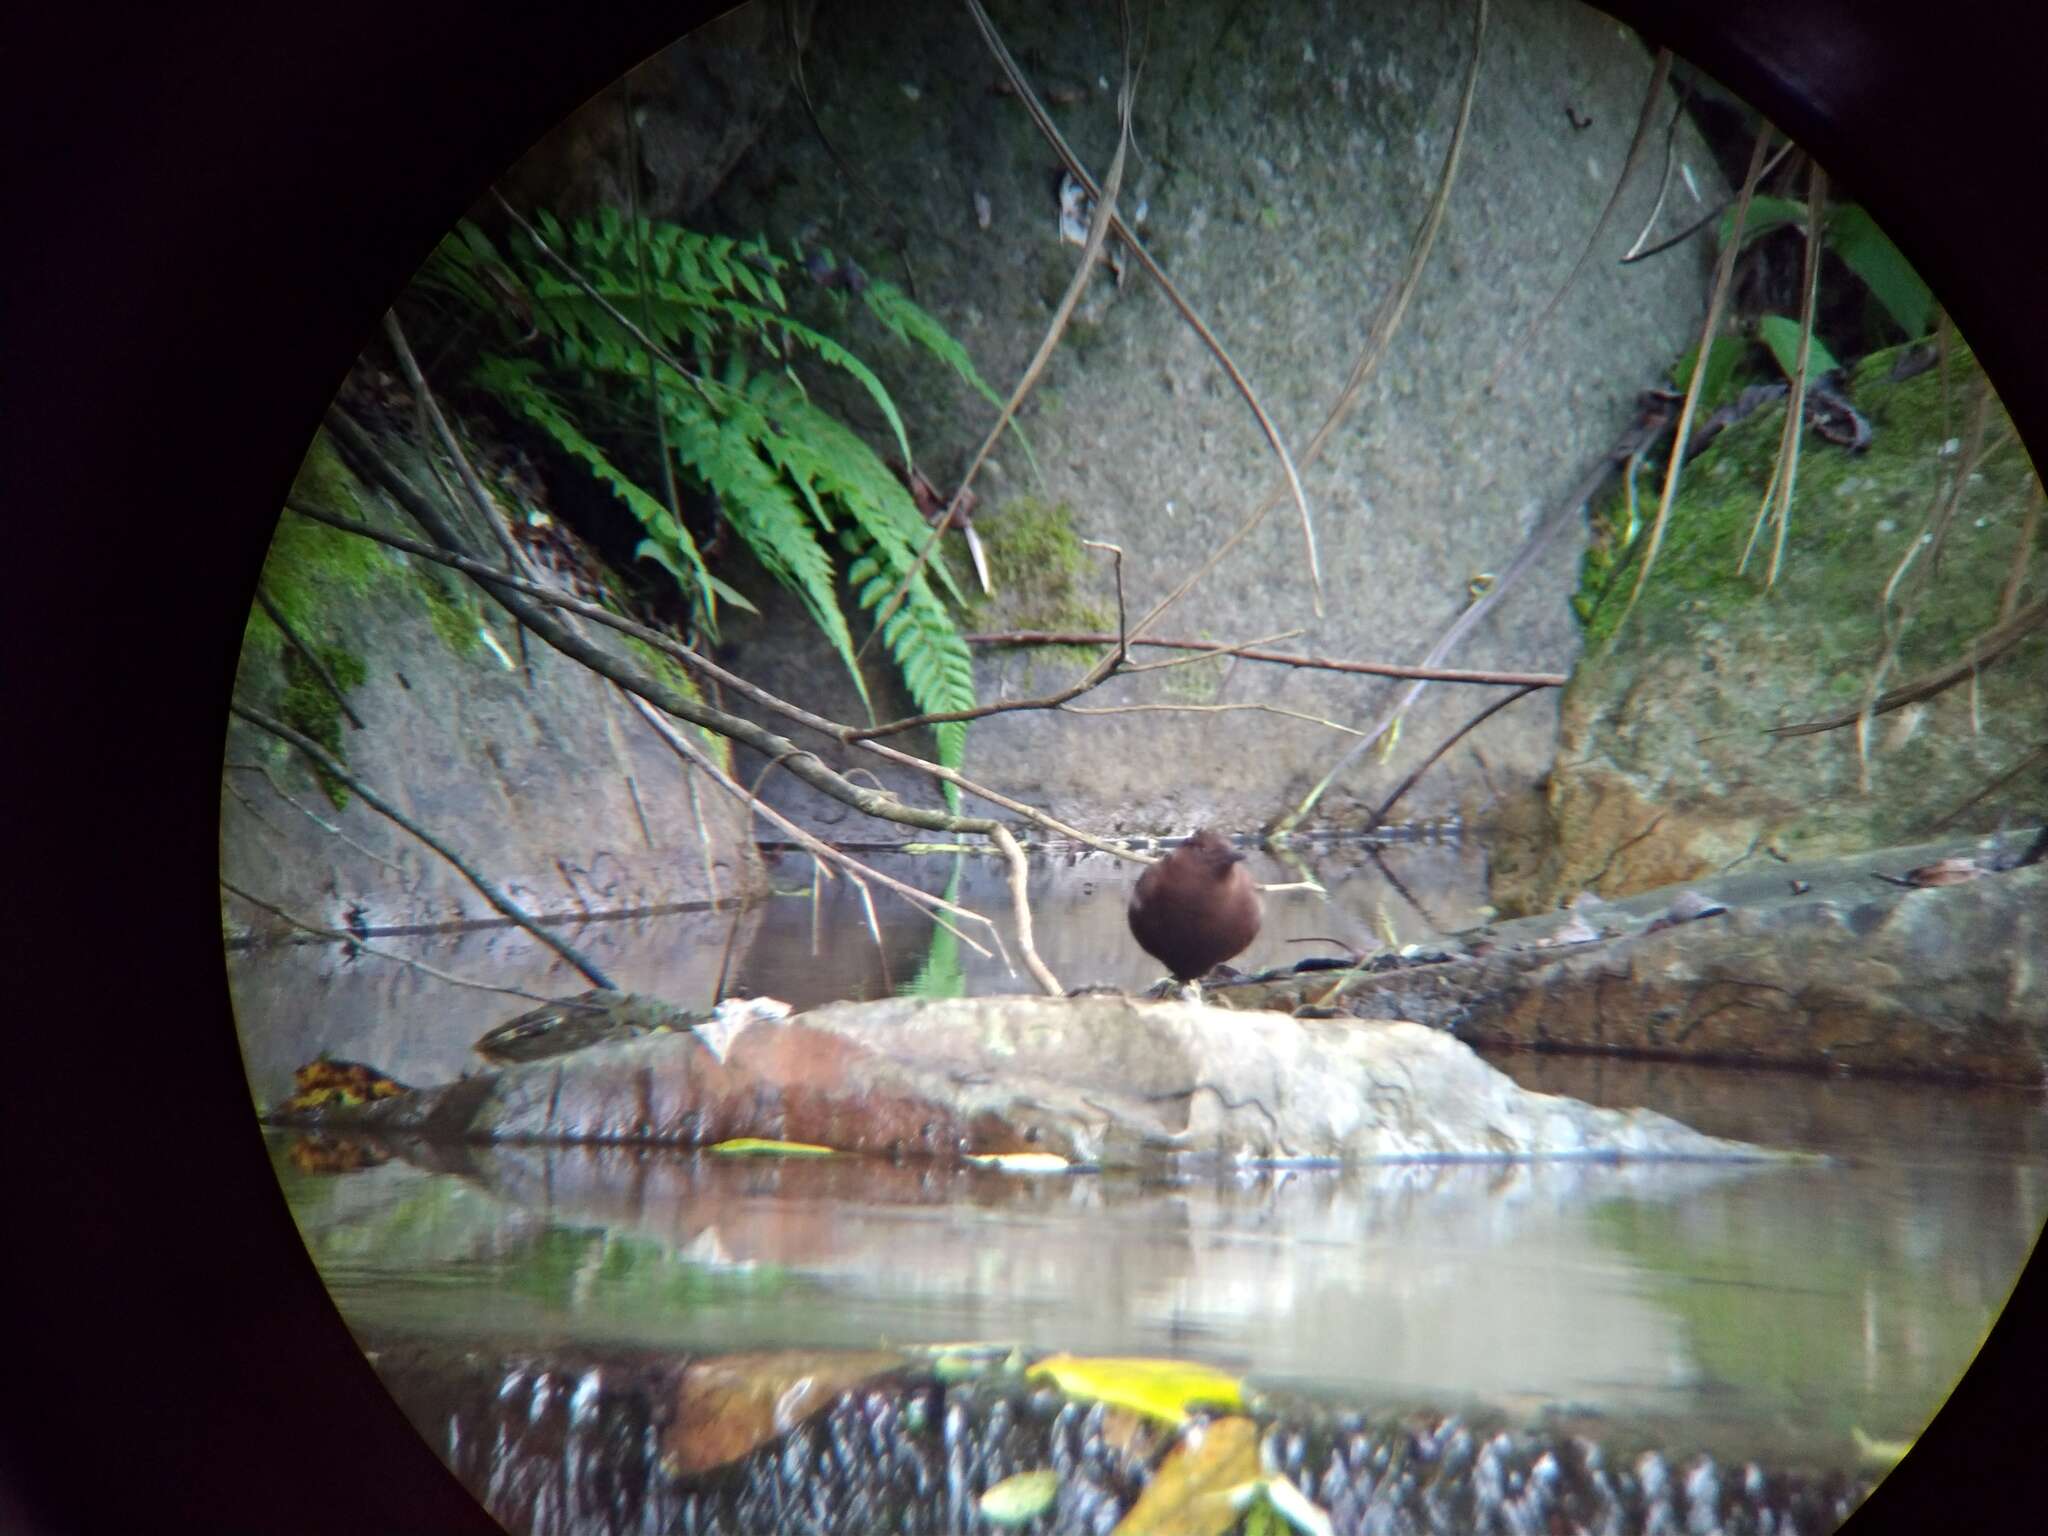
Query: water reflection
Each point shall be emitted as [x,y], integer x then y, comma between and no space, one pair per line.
[1751,1308]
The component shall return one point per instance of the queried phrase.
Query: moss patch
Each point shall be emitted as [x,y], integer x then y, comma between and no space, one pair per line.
[667,670]
[310,708]
[1043,577]
[1852,518]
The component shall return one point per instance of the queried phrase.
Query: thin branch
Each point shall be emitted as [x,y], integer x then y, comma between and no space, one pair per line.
[2022,553]
[364,947]
[1019,873]
[817,847]
[567,269]
[481,499]
[318,820]
[1207,655]
[1449,741]
[1123,631]
[1539,539]
[1206,709]
[312,657]
[1705,219]
[1940,518]
[1659,73]
[1777,500]
[508,589]
[1084,271]
[1984,650]
[325,762]
[1716,301]
[1046,126]
[1036,637]
[2039,754]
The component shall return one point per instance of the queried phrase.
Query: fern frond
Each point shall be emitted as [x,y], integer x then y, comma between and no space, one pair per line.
[514,383]
[911,323]
[764,514]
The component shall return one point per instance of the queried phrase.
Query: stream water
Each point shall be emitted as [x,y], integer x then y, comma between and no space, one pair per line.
[1788,1312]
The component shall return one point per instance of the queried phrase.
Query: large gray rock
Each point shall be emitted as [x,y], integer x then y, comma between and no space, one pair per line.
[546,782]
[1100,1080]
[1285,155]
[1824,965]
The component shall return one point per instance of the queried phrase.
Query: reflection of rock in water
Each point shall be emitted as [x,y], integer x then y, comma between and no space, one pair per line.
[553,1445]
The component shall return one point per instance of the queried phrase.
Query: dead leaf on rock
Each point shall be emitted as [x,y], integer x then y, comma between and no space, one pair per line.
[1190,1495]
[729,1405]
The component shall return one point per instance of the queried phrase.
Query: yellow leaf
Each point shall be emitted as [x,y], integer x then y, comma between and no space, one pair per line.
[756,1146]
[1017,1499]
[1165,1389]
[1190,1495]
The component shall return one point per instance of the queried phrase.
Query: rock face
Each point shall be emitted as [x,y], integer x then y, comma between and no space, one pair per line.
[1665,769]
[1850,973]
[542,777]
[1286,154]
[1100,1080]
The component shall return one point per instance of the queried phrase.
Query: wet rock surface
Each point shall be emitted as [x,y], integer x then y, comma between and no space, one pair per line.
[1105,1081]
[1666,769]
[1842,964]
[589,1441]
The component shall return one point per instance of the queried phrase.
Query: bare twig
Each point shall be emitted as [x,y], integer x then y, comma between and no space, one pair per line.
[1777,502]
[312,657]
[1019,902]
[1723,273]
[1035,637]
[318,820]
[1222,649]
[1564,512]
[367,948]
[1205,709]
[817,847]
[325,762]
[2022,554]
[1046,126]
[1984,650]
[1084,271]
[1377,340]
[1450,741]
[1123,631]
[1659,73]
[1948,500]
[2038,754]
[481,499]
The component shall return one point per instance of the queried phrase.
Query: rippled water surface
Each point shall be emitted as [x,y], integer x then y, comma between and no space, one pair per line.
[1741,1310]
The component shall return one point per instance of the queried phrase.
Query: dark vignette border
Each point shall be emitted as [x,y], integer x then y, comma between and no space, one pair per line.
[213,214]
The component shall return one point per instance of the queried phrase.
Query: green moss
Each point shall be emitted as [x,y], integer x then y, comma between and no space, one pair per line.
[671,673]
[1043,577]
[310,708]
[312,570]
[451,609]
[1852,516]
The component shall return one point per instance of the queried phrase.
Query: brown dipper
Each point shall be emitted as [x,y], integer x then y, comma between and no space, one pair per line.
[1196,907]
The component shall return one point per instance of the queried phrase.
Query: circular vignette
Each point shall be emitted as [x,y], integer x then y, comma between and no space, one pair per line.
[213,217]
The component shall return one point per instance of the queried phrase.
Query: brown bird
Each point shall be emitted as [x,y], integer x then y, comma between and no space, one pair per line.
[1196,907]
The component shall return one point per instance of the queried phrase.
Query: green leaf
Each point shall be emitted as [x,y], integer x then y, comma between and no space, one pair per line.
[1722,358]
[1781,335]
[1870,254]
[1020,1499]
[1765,214]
